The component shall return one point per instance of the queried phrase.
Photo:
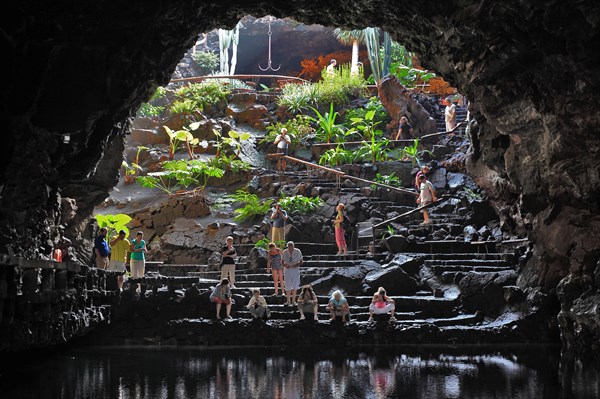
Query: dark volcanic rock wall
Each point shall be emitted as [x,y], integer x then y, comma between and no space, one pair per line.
[530,68]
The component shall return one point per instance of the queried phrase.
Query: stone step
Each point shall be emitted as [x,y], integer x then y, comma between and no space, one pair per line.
[444,246]
[467,262]
[462,268]
[475,255]
[401,317]
[403,303]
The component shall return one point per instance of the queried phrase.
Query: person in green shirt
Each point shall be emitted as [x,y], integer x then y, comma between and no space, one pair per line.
[138,260]
[119,246]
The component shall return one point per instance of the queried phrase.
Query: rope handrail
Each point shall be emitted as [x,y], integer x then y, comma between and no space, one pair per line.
[418,209]
[341,174]
[201,78]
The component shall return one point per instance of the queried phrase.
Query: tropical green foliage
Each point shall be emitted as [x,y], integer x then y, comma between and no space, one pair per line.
[207,61]
[196,96]
[388,180]
[336,156]
[380,117]
[373,150]
[233,141]
[399,54]
[253,206]
[148,110]
[181,174]
[472,195]
[131,171]
[338,89]
[300,204]
[298,128]
[326,126]
[229,163]
[263,243]
[366,126]
[114,223]
[179,138]
[410,77]
[380,64]
[412,153]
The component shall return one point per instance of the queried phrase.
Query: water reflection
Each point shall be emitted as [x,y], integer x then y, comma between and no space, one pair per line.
[309,373]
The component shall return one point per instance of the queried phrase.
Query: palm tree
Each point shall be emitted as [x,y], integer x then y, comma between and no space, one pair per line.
[353,37]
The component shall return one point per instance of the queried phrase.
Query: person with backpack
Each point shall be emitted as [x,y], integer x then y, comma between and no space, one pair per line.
[340,224]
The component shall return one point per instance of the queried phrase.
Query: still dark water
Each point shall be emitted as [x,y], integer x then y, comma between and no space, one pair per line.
[413,372]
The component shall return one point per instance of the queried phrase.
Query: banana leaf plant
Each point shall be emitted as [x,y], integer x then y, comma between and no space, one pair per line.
[114,223]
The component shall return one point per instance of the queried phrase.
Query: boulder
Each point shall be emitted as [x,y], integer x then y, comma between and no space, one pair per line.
[485,291]
[348,279]
[257,260]
[458,181]
[148,137]
[248,114]
[393,277]
[397,243]
[398,101]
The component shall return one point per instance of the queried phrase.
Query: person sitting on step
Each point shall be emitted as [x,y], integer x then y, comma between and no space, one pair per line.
[382,304]
[222,295]
[338,306]
[258,305]
[308,303]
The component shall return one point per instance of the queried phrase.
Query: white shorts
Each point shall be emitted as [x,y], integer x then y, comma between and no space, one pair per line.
[137,268]
[117,266]
[387,309]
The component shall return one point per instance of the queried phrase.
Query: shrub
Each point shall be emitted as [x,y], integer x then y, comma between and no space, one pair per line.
[338,89]
[300,204]
[263,243]
[207,61]
[148,110]
[253,206]
[336,156]
[380,117]
[196,96]
[181,174]
[298,129]
[388,180]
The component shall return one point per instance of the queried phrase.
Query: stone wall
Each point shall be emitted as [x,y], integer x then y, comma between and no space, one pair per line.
[45,303]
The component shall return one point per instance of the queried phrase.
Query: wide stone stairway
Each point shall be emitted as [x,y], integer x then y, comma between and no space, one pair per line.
[438,264]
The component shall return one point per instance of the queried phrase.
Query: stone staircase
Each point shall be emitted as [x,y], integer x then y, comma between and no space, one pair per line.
[444,260]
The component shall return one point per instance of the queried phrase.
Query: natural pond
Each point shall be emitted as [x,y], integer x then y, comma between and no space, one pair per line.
[407,372]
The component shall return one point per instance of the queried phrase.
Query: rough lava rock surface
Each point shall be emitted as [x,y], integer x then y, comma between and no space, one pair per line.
[75,73]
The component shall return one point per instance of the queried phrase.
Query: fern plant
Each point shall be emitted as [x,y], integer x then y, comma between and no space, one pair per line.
[300,204]
[253,206]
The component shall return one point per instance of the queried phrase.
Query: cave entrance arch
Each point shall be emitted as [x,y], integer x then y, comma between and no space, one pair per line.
[530,69]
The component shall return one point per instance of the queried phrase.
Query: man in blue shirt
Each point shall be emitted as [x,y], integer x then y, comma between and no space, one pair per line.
[102,249]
